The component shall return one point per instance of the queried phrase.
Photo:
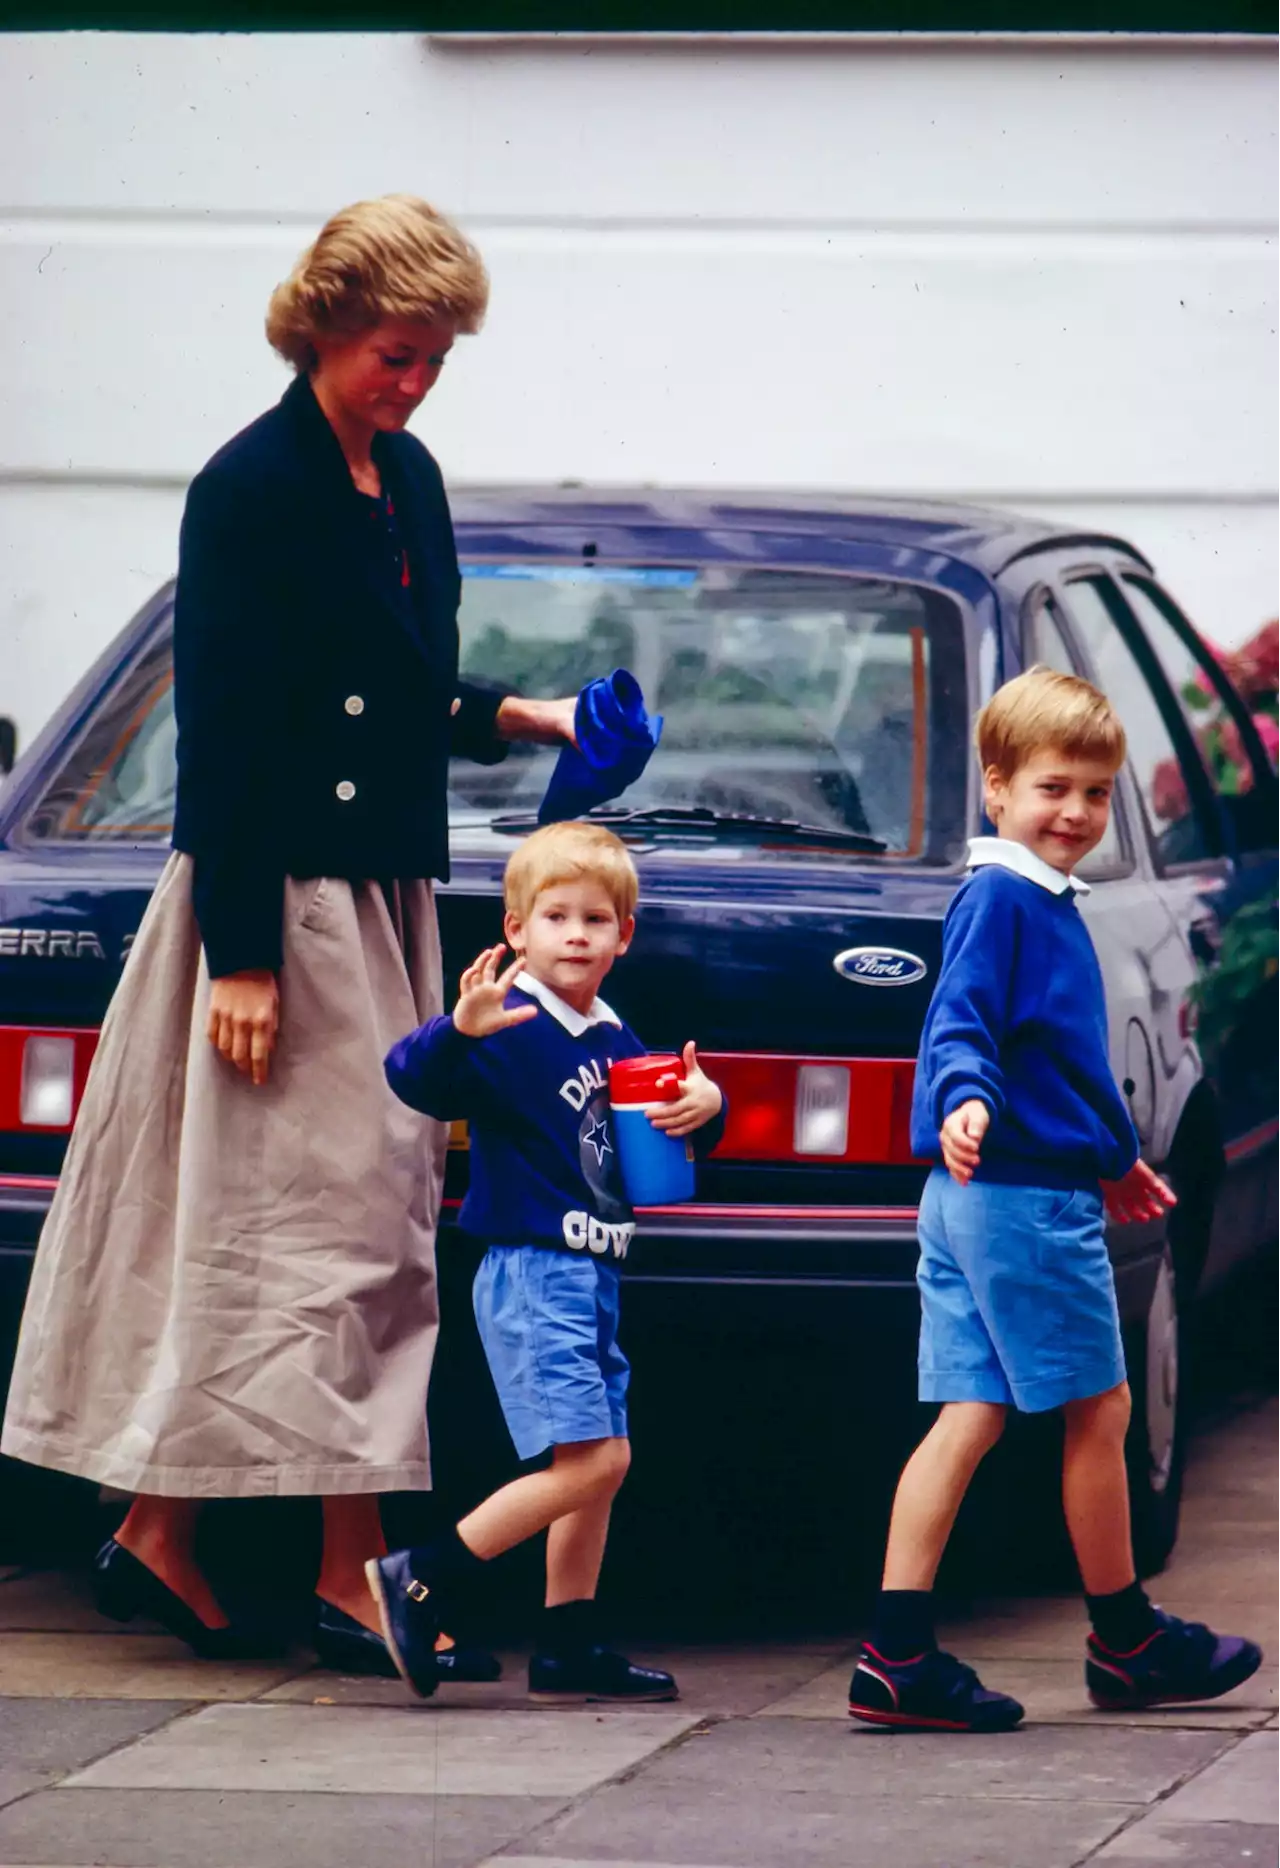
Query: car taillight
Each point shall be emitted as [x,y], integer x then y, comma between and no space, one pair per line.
[853,1110]
[42,1076]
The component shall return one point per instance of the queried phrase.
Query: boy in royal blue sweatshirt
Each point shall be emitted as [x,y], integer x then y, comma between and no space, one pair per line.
[1015,1098]
[525,1058]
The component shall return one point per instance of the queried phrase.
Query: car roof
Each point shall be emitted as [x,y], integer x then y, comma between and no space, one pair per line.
[987,537]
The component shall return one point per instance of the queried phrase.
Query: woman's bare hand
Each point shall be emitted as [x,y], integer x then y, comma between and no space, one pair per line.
[545,722]
[244,1018]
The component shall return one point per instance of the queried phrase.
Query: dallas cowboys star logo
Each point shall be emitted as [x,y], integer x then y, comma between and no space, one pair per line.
[597,1137]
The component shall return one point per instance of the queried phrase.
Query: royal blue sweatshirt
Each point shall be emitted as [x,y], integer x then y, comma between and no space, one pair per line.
[544,1164]
[1018,1020]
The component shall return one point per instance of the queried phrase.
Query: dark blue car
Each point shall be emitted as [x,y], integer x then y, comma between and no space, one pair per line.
[798,838]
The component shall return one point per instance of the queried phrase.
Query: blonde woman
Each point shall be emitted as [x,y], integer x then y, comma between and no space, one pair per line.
[235,1292]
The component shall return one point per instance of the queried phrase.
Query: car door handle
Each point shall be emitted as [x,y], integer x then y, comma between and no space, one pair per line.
[1205,941]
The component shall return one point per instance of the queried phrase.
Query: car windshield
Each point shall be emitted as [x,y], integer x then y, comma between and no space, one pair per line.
[835,702]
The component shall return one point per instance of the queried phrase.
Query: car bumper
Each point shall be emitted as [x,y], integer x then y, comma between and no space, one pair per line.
[722,1268]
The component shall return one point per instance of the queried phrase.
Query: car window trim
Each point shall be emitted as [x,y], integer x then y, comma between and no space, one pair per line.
[1197,648]
[1203,798]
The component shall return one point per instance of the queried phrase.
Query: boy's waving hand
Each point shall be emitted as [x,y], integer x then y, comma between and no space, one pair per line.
[481,1009]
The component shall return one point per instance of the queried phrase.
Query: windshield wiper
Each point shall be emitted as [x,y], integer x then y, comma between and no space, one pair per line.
[721,823]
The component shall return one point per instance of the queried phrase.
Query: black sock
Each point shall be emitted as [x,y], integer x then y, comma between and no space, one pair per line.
[903,1624]
[568,1629]
[445,1562]
[1122,1621]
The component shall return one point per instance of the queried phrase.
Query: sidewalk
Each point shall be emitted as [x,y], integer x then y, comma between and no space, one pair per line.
[119,1751]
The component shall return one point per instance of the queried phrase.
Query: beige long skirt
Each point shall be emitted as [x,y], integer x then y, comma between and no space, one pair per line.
[234,1294]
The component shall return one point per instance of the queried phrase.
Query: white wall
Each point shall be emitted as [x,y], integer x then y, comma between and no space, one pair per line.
[1038,274]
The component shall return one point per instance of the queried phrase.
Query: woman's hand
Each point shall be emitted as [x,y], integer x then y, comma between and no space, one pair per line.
[961,1137]
[698,1101]
[482,990]
[546,722]
[244,1018]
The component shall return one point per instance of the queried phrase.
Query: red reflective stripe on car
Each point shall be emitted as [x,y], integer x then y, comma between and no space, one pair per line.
[708,1210]
[13,1043]
[28,1183]
[1250,1143]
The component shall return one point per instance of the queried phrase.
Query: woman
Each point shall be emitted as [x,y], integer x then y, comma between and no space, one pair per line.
[234,1294]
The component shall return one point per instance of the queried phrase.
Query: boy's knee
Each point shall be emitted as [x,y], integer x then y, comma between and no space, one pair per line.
[617,1462]
[974,1425]
[1106,1414]
[599,1466]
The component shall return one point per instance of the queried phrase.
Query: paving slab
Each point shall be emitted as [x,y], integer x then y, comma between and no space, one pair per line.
[1039,1763]
[562,1861]
[1238,1787]
[59,1602]
[210,1829]
[116,1666]
[727,1828]
[414,1751]
[42,1739]
[1053,1693]
[715,1680]
[1190,1845]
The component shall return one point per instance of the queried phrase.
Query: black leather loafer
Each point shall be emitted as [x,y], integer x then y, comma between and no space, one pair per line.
[346,1646]
[596,1674]
[407,1612]
[467,1663]
[126,1587]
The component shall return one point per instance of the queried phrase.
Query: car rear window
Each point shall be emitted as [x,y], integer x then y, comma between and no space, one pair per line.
[836,701]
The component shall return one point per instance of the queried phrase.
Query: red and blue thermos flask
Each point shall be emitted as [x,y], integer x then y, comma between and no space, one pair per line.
[657,1169]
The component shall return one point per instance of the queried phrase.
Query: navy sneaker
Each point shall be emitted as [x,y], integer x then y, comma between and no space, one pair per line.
[595,1673]
[1179,1663]
[410,1623]
[934,1692]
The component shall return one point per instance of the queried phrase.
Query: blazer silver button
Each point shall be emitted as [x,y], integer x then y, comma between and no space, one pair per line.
[354,704]
[345,790]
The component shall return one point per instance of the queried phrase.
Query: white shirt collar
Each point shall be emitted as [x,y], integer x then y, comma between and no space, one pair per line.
[1023,862]
[575,1023]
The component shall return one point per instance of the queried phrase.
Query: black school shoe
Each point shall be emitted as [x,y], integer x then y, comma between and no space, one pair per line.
[934,1692]
[1179,1663]
[410,1622]
[594,1674]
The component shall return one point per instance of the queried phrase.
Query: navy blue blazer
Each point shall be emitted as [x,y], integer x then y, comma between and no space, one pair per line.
[315,698]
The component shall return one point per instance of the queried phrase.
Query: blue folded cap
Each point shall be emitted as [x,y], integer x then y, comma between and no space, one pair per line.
[616,738]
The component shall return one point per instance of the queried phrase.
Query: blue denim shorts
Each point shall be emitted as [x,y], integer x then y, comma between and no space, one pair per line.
[549,1325]
[1017,1295]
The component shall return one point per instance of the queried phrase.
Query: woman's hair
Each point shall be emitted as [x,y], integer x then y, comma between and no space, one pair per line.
[395,257]
[573,852]
[1041,710]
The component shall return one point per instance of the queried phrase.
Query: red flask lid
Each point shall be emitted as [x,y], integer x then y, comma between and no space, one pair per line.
[653,1079]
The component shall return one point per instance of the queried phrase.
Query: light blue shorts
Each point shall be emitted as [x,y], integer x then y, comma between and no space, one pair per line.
[1017,1295]
[549,1325]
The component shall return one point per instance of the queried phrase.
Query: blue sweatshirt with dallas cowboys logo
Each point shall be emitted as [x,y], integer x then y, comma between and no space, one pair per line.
[544,1164]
